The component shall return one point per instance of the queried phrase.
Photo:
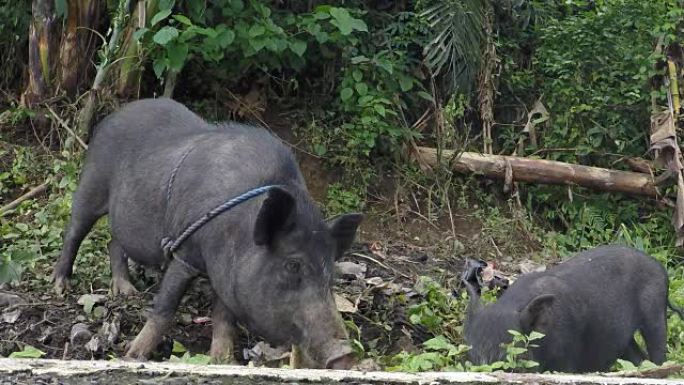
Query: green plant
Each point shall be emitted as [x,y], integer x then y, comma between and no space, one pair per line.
[440,354]
[180,354]
[342,200]
[516,352]
[438,312]
[456,38]
[248,34]
[36,239]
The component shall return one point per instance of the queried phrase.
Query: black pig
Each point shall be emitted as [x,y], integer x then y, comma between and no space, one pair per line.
[155,167]
[589,308]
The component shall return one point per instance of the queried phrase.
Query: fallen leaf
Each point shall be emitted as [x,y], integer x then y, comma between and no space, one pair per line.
[11,317]
[351,269]
[28,352]
[94,345]
[344,305]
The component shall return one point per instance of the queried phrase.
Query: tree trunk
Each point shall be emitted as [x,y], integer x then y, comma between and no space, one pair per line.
[41,49]
[543,171]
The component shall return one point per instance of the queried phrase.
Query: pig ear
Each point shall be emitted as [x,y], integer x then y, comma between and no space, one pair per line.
[275,216]
[534,312]
[343,230]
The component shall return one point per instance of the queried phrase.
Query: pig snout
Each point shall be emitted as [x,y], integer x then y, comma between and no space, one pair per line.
[324,336]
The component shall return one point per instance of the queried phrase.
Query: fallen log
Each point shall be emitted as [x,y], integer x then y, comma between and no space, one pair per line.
[32,371]
[543,171]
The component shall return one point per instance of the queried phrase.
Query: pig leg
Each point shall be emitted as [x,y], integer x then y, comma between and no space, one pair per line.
[633,353]
[89,204]
[223,333]
[655,334]
[166,302]
[121,280]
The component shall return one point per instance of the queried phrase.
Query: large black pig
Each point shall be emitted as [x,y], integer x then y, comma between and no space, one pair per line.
[588,307]
[155,167]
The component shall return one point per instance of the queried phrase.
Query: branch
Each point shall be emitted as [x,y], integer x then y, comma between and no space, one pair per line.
[32,193]
[66,127]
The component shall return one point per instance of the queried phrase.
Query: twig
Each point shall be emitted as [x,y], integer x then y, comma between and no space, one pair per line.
[66,350]
[381,264]
[32,304]
[66,127]
[32,193]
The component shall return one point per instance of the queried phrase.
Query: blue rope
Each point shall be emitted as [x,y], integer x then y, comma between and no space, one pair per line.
[172,178]
[169,246]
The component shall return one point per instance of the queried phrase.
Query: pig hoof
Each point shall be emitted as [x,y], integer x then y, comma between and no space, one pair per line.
[123,287]
[136,354]
[61,285]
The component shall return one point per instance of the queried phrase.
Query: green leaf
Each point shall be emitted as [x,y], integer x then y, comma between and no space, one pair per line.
[359,25]
[22,227]
[625,365]
[61,8]
[183,19]
[161,15]
[535,336]
[359,59]
[298,47]
[361,88]
[159,66]
[256,30]
[357,75]
[166,4]
[320,149]
[342,20]
[438,343]
[237,5]
[380,109]
[28,352]
[346,93]
[530,364]
[177,53]
[226,38]
[88,304]
[137,35]
[178,348]
[515,350]
[165,35]
[406,83]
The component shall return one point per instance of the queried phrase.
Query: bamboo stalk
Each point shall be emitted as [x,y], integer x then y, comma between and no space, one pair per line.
[674,87]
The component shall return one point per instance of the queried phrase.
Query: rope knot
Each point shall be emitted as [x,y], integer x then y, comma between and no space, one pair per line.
[166,244]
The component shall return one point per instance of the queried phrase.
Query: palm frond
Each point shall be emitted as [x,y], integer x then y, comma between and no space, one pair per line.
[454,52]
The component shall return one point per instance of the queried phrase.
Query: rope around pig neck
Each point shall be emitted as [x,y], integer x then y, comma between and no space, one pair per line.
[170,245]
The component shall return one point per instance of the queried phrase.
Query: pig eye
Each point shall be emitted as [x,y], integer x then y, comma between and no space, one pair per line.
[293,266]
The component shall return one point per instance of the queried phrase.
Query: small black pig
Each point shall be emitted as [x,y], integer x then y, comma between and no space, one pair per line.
[155,167]
[588,307]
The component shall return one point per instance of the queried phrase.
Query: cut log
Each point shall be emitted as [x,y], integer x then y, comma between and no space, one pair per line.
[543,171]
